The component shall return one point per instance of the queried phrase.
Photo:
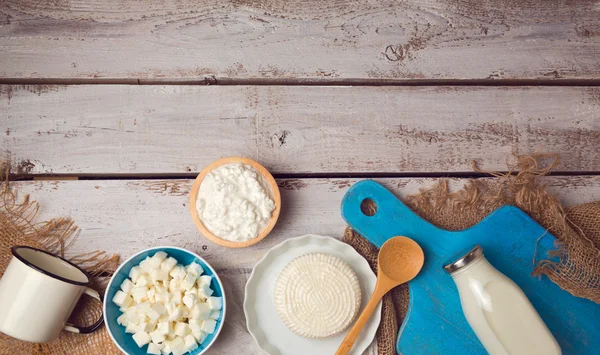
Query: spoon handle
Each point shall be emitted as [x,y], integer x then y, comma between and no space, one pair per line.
[349,340]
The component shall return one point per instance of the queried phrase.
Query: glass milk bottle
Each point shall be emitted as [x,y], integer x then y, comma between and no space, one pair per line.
[497,309]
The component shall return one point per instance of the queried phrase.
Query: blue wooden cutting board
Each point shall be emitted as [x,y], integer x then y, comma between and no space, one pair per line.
[435,323]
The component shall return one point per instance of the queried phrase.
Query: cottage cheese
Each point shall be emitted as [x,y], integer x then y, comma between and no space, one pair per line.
[234,202]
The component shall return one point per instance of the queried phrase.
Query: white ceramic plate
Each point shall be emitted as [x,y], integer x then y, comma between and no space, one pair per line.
[262,320]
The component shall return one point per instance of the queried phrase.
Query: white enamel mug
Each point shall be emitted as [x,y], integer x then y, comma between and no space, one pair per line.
[38,292]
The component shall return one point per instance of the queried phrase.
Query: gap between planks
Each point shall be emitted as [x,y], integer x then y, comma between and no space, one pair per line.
[212,80]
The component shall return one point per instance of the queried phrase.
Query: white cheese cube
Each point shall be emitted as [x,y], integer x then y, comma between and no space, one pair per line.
[139,294]
[143,281]
[122,320]
[178,272]
[159,275]
[208,326]
[151,293]
[122,299]
[204,280]
[176,297]
[182,329]
[176,314]
[165,327]
[168,264]
[132,315]
[194,327]
[154,349]
[188,282]
[215,315]
[131,327]
[161,297]
[201,311]
[141,338]
[143,308]
[126,286]
[199,335]
[157,336]
[145,265]
[178,346]
[204,291]
[214,303]
[157,259]
[156,311]
[166,350]
[135,273]
[190,342]
[192,291]
[189,300]
[195,269]
[147,326]
[174,285]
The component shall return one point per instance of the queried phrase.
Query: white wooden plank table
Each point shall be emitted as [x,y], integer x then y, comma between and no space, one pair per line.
[116,105]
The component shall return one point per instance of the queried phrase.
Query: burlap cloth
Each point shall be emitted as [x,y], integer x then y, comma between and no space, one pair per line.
[577,228]
[17,227]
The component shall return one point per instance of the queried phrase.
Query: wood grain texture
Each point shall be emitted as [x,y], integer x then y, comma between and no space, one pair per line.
[432,39]
[98,129]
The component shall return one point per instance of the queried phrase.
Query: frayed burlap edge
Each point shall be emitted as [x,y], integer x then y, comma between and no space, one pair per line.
[18,227]
[577,229]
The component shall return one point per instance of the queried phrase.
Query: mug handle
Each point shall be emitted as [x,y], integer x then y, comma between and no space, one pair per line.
[86,330]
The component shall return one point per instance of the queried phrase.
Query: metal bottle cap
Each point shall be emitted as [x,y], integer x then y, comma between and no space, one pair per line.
[464,260]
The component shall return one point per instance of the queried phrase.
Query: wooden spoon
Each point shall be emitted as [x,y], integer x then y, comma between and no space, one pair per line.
[400,260]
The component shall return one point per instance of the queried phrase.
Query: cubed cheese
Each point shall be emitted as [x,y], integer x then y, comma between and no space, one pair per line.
[174,285]
[162,297]
[151,293]
[204,280]
[157,336]
[139,294]
[165,327]
[199,335]
[157,259]
[176,314]
[143,308]
[208,326]
[132,315]
[201,311]
[121,299]
[215,315]
[190,342]
[126,286]
[135,273]
[168,264]
[147,326]
[178,272]
[131,327]
[141,338]
[166,350]
[156,311]
[204,291]
[182,329]
[159,275]
[122,319]
[145,265]
[154,349]
[143,281]
[195,269]
[214,303]
[189,300]
[176,297]
[178,346]
[188,282]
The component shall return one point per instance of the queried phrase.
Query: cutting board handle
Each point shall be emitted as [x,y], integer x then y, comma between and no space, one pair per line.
[375,227]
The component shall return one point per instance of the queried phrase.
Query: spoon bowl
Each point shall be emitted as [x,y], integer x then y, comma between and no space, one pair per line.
[400,260]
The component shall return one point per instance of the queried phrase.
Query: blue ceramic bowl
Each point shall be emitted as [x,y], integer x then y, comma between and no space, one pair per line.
[111,311]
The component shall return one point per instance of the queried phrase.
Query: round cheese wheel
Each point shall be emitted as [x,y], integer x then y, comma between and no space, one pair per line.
[317,295]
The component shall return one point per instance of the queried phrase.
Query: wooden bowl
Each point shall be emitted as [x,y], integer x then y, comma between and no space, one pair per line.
[274,195]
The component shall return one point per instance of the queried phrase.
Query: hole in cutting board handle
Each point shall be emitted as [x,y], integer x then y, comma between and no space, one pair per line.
[368,207]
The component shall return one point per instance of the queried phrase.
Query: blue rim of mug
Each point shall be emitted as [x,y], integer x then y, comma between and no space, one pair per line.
[16,254]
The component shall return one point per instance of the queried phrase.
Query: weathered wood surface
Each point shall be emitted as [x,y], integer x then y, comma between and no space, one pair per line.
[299,39]
[98,129]
[122,216]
